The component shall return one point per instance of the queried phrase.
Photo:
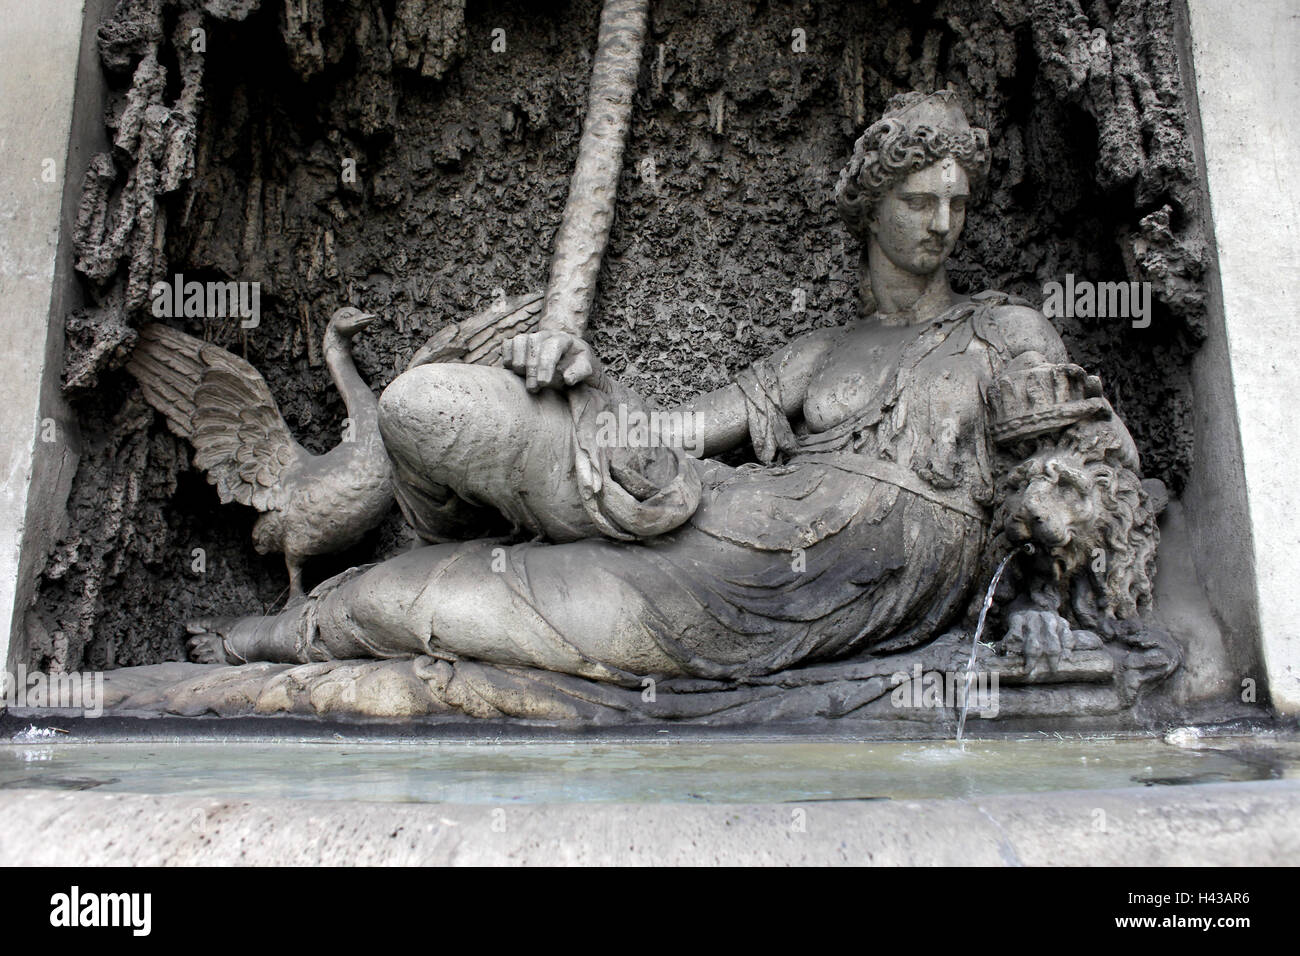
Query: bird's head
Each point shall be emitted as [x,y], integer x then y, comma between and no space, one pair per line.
[348,321]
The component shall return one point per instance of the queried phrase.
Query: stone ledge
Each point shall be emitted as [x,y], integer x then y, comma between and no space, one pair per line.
[1081,684]
[1238,824]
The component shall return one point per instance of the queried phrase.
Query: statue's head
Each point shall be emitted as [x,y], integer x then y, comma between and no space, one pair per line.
[910,177]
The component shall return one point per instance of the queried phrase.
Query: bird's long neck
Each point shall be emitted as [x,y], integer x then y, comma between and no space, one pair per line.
[363,407]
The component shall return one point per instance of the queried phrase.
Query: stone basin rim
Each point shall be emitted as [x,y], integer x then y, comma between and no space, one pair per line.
[152,728]
[1216,824]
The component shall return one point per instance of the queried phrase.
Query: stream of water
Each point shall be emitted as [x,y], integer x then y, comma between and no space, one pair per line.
[979,632]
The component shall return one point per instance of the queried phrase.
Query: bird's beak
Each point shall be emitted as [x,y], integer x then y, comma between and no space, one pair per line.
[365,319]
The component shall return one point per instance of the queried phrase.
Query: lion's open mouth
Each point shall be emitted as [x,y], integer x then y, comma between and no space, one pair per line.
[1054,539]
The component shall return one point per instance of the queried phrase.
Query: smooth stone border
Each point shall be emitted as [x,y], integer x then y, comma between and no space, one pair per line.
[1248,91]
[1237,824]
[51,125]
[40,50]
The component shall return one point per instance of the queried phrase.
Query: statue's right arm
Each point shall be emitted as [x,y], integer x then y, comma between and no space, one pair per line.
[723,416]
[552,359]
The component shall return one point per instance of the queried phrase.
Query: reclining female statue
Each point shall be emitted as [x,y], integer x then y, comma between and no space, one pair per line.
[863,526]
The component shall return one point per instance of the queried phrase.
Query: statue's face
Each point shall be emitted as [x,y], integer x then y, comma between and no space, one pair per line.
[917,223]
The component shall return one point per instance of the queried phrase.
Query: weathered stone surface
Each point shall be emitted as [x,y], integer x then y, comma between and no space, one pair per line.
[461,197]
[1253,824]
[1081,686]
[1249,554]
[42,130]
[428,35]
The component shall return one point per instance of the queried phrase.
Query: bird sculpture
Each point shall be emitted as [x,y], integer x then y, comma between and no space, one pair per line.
[311,504]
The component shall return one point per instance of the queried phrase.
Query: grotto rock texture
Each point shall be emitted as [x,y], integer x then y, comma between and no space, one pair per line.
[412,157]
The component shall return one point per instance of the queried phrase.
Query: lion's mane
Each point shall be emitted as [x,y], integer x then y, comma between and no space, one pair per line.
[1090,461]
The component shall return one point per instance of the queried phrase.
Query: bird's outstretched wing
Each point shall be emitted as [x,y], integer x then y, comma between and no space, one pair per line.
[221,405]
[477,340]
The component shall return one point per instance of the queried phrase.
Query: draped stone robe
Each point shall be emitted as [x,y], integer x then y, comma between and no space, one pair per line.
[868,536]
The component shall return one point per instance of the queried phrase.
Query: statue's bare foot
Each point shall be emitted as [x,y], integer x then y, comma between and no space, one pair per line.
[209,642]
[238,640]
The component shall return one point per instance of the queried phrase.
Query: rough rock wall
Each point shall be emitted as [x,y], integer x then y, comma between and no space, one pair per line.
[463,121]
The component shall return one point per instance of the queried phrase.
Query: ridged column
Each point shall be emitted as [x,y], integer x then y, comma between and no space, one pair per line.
[589,209]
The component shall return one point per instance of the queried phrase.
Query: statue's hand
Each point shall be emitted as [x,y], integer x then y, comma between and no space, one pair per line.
[549,359]
[1044,639]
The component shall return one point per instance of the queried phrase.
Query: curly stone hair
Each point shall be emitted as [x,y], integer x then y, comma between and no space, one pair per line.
[895,146]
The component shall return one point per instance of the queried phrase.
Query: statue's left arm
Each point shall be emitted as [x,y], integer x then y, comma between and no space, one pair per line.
[1031,340]
[1029,336]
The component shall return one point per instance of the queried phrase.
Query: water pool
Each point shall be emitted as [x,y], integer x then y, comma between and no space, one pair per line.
[715,770]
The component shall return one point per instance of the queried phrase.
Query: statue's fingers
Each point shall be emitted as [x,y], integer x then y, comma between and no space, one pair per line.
[1040,641]
[508,352]
[1015,636]
[519,348]
[533,352]
[547,359]
[1052,643]
[1033,656]
[579,369]
[1063,636]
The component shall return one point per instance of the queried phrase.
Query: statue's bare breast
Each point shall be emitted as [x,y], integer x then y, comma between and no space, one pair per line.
[855,368]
